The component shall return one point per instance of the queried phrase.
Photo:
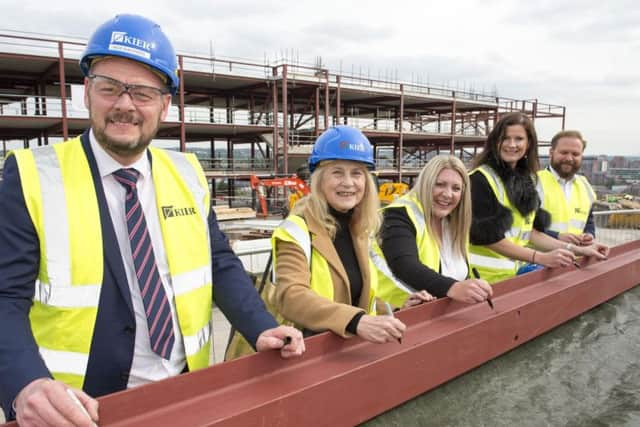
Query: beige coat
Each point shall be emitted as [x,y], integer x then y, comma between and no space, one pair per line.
[297,302]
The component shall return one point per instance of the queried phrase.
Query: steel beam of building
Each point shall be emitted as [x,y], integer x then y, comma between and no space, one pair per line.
[345,382]
[63,91]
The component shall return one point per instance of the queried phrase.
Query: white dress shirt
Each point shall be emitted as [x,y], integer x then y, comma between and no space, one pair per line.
[452,263]
[565,184]
[147,366]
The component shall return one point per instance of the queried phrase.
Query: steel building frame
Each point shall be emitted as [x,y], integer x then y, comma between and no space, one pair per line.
[276,110]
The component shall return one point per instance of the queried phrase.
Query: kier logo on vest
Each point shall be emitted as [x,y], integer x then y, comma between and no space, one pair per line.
[171,212]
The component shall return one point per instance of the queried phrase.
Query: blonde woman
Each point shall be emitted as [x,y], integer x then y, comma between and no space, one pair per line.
[425,234]
[323,274]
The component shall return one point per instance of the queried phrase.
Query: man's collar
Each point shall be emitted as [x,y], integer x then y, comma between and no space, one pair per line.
[107,164]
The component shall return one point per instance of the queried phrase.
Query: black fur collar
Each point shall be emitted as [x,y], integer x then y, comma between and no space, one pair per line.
[520,186]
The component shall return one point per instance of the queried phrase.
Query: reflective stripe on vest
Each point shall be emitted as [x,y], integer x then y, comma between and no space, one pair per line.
[413,207]
[491,265]
[55,284]
[67,290]
[390,288]
[428,250]
[491,262]
[294,229]
[195,343]
[65,361]
[398,292]
[67,296]
[71,266]
[567,216]
[300,237]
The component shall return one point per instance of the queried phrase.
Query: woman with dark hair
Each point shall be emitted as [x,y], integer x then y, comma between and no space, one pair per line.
[505,206]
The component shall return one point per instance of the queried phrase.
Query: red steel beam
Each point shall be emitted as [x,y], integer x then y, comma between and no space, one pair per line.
[345,382]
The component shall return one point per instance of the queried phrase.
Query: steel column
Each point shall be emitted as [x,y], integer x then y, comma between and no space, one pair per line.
[63,91]
[212,109]
[274,101]
[252,107]
[316,114]
[453,125]
[327,105]
[183,131]
[285,122]
[337,119]
[401,133]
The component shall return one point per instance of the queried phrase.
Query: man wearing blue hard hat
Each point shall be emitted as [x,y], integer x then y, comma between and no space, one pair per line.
[109,249]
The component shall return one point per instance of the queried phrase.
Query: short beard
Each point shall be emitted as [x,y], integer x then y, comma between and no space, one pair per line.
[131,149]
[558,168]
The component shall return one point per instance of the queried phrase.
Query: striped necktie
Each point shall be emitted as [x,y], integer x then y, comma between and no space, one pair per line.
[154,297]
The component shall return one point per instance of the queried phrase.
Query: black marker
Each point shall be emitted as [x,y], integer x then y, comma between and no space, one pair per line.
[477,276]
[390,313]
[286,340]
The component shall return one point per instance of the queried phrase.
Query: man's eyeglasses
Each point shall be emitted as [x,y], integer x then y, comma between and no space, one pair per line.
[112,89]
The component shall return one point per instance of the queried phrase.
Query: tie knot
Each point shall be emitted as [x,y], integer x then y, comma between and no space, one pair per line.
[127,177]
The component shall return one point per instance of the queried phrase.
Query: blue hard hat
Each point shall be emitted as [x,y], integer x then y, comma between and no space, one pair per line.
[342,143]
[137,38]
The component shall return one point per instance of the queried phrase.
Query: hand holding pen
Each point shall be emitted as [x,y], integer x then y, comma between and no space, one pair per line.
[381,328]
[471,291]
[79,404]
[45,401]
[390,313]
[477,276]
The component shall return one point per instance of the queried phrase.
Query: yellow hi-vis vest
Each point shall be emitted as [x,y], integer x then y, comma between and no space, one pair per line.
[61,199]
[492,266]
[390,288]
[567,216]
[294,229]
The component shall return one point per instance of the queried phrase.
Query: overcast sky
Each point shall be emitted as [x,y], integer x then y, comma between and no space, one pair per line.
[584,55]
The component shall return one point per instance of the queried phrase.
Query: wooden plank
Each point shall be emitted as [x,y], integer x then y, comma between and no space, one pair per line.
[224,213]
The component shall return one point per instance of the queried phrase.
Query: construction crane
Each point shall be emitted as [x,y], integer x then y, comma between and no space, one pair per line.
[296,186]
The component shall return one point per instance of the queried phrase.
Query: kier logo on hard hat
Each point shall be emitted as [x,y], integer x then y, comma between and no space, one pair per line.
[123,42]
[353,147]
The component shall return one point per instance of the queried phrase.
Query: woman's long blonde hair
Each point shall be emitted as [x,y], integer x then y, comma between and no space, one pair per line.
[366,216]
[460,217]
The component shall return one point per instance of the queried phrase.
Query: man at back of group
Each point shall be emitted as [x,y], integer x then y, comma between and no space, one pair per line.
[109,249]
[565,194]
